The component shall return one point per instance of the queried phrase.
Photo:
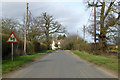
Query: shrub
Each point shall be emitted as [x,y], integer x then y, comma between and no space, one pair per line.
[82,46]
[6,47]
[71,42]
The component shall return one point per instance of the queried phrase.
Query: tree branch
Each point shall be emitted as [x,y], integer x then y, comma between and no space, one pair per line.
[108,10]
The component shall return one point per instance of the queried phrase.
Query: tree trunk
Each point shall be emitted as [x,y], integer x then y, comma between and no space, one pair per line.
[102,38]
[47,39]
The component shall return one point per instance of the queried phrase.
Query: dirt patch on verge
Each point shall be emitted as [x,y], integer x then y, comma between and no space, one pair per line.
[102,68]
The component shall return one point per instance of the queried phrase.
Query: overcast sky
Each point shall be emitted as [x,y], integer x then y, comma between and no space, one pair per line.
[73,15]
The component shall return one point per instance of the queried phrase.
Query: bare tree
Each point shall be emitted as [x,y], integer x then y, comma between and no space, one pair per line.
[107,21]
[9,25]
[49,26]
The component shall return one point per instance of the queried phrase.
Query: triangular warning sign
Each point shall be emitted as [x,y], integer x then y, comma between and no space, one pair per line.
[12,38]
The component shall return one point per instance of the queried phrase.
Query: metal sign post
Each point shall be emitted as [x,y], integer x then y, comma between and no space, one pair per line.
[12,52]
[12,39]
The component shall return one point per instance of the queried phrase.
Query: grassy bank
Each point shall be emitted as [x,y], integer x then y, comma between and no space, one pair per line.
[8,65]
[108,62]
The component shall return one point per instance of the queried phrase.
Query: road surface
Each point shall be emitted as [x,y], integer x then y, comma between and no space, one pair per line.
[60,64]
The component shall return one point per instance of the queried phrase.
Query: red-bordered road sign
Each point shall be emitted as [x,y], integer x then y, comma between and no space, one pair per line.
[12,38]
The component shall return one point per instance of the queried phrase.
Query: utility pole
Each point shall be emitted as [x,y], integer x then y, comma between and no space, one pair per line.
[95,25]
[119,26]
[26,20]
[77,34]
[84,32]
[119,41]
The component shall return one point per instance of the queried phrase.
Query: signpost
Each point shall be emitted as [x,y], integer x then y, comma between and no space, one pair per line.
[12,39]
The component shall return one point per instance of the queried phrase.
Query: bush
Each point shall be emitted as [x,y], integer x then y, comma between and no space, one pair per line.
[6,47]
[38,47]
[43,46]
[18,48]
[30,47]
[71,43]
[35,46]
[82,46]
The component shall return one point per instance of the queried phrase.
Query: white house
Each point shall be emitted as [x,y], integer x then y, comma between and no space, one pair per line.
[59,45]
[53,45]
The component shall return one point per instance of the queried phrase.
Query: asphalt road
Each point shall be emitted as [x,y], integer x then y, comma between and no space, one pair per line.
[60,64]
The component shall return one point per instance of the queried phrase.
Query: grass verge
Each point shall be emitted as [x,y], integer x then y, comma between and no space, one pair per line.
[108,62]
[8,65]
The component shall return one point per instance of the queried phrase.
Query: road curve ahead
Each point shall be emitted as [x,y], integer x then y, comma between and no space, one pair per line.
[59,64]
